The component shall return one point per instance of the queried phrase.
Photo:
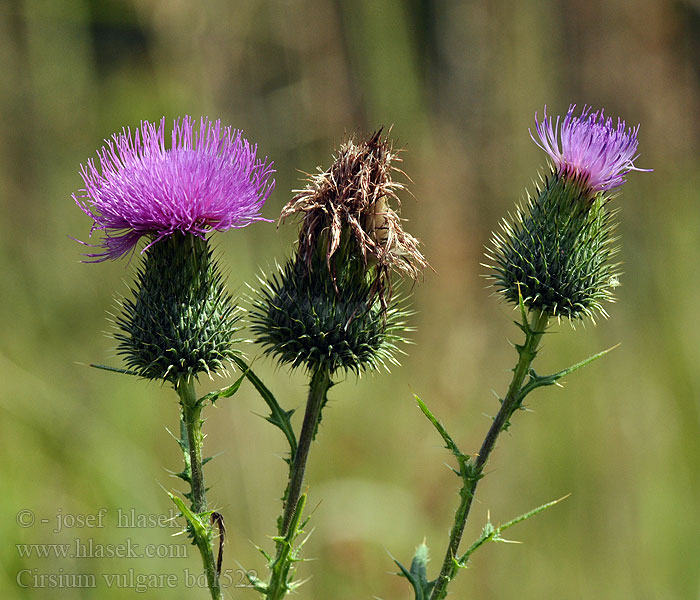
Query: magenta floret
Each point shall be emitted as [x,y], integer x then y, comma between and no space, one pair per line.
[208,179]
[589,147]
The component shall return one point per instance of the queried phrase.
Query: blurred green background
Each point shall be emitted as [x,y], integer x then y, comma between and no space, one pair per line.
[460,83]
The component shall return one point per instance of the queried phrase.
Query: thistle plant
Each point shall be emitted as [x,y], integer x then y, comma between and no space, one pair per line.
[178,321]
[331,308]
[334,307]
[552,259]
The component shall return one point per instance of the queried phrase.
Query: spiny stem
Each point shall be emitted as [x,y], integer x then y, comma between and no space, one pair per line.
[279,585]
[191,426]
[475,468]
[320,382]
[192,422]
[288,524]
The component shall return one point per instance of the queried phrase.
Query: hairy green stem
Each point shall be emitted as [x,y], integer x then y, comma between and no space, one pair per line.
[475,468]
[320,382]
[191,426]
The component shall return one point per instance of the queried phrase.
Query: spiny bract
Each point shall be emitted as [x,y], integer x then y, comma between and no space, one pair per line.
[305,317]
[557,251]
[180,320]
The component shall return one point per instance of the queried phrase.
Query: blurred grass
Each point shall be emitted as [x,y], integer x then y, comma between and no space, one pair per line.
[460,82]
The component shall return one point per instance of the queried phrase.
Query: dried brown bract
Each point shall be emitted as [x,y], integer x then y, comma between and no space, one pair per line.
[354,195]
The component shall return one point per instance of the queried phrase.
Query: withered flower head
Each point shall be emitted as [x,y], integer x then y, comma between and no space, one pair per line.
[331,306]
[354,194]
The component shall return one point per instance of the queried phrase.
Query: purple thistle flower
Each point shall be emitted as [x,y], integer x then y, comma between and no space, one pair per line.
[207,180]
[589,147]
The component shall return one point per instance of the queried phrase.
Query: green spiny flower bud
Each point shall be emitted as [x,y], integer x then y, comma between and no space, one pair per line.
[181,321]
[556,253]
[305,318]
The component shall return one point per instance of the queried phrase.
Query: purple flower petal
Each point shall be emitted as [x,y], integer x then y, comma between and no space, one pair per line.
[589,147]
[209,179]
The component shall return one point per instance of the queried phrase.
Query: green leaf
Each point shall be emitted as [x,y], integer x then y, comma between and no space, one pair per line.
[525,326]
[199,528]
[493,534]
[465,471]
[324,401]
[115,369]
[278,417]
[282,567]
[417,590]
[422,588]
[226,392]
[449,442]
[545,380]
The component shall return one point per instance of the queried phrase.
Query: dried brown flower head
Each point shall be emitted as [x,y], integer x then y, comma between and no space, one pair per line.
[354,195]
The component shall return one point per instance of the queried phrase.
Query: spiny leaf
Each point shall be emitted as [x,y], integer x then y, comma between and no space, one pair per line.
[226,392]
[198,526]
[492,534]
[115,369]
[449,442]
[545,380]
[417,575]
[287,554]
[278,417]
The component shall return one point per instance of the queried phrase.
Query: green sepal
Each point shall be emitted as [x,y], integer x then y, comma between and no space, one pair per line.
[326,313]
[558,250]
[178,319]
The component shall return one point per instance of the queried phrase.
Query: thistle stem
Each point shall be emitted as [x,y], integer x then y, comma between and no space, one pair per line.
[191,426]
[320,382]
[471,475]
